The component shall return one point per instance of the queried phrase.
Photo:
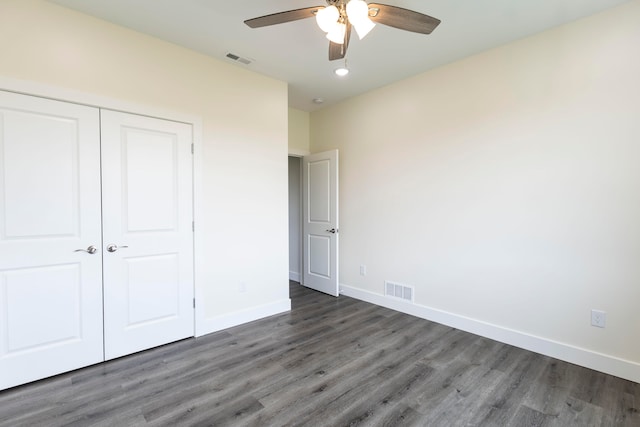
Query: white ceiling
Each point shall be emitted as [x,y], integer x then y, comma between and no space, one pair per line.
[297,52]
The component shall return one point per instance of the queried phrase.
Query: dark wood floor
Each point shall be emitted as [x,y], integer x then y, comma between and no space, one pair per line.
[329,362]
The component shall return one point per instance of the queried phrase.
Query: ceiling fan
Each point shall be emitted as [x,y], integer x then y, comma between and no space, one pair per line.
[340,16]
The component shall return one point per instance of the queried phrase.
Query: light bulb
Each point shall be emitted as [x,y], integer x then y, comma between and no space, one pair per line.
[363,28]
[337,34]
[341,72]
[327,18]
[358,14]
[357,10]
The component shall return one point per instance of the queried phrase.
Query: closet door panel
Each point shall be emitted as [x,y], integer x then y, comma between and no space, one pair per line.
[147,214]
[50,286]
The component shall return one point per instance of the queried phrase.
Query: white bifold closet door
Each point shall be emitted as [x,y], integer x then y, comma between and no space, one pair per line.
[96,256]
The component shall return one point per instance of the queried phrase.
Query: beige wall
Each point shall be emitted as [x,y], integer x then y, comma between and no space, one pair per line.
[299,140]
[298,132]
[242,236]
[505,188]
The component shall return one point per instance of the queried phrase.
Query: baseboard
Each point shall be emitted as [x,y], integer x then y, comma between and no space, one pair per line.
[294,276]
[218,323]
[579,356]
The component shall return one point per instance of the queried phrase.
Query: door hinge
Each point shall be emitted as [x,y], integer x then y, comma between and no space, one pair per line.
[193,226]
[192,148]
[194,303]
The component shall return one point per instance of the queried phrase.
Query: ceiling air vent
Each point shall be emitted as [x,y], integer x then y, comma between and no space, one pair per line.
[240,59]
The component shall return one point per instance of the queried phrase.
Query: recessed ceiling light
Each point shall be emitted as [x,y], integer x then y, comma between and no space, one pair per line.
[341,72]
[318,100]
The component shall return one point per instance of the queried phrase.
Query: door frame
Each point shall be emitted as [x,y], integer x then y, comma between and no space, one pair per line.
[299,215]
[98,101]
[299,154]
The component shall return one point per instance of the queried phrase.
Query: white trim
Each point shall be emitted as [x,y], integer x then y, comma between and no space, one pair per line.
[590,359]
[294,276]
[218,323]
[198,223]
[294,152]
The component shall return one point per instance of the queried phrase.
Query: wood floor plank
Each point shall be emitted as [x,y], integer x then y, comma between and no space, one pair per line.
[580,413]
[502,405]
[550,391]
[328,362]
[327,390]
[526,416]
[372,407]
[458,404]
[400,415]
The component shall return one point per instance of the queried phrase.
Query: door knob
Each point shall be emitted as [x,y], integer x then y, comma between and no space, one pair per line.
[90,250]
[332,231]
[113,248]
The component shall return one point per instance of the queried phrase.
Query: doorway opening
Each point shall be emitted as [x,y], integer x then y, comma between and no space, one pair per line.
[313,221]
[295,219]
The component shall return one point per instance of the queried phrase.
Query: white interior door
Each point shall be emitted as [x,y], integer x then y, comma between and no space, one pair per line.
[148,238]
[320,221]
[50,283]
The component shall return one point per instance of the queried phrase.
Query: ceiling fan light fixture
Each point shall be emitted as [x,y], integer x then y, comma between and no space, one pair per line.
[337,33]
[339,16]
[327,18]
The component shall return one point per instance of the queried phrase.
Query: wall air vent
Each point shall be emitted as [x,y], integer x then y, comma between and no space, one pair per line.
[238,58]
[399,291]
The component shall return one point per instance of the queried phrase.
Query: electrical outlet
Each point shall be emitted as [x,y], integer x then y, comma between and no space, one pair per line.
[242,287]
[598,318]
[363,270]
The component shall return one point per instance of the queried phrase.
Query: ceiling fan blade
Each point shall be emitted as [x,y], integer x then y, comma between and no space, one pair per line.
[338,51]
[282,17]
[403,19]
